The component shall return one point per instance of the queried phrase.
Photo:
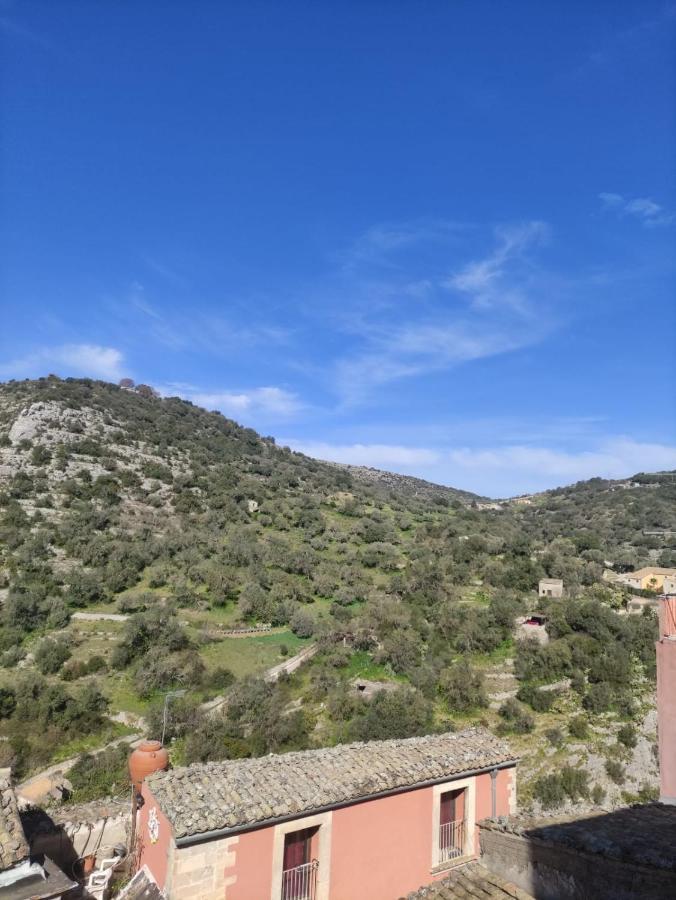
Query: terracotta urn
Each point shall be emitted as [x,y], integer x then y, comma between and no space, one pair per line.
[148,757]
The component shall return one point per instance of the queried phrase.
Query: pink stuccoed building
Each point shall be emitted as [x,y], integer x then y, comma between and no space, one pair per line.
[374,820]
[666,698]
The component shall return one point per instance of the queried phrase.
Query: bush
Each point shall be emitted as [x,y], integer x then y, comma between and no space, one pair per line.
[462,687]
[540,701]
[615,771]
[99,775]
[302,624]
[51,655]
[555,736]
[516,718]
[598,795]
[401,713]
[627,736]
[552,790]
[578,727]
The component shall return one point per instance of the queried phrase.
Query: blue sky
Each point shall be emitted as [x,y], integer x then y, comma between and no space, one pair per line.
[431,237]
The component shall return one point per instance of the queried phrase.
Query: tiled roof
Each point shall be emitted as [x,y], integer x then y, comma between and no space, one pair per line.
[13,844]
[644,834]
[236,793]
[470,881]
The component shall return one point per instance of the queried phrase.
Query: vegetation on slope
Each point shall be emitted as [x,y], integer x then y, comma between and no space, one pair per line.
[116,501]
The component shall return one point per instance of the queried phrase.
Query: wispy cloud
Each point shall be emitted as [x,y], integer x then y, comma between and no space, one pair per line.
[648,213]
[250,405]
[380,243]
[89,360]
[380,456]
[483,308]
[502,471]
[484,280]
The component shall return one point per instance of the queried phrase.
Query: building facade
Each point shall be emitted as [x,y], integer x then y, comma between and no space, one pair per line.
[550,587]
[372,820]
[650,578]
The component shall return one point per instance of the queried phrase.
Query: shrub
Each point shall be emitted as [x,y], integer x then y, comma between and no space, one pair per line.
[540,701]
[598,795]
[516,718]
[302,624]
[627,736]
[555,736]
[462,686]
[51,655]
[552,790]
[99,775]
[615,771]
[578,727]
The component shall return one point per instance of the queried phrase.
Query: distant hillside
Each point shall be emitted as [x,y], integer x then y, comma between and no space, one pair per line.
[407,485]
[116,502]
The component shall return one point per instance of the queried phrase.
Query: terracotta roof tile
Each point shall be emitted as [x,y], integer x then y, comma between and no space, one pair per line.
[236,793]
[470,881]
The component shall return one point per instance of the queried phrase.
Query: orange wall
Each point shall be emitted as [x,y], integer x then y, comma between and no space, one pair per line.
[153,855]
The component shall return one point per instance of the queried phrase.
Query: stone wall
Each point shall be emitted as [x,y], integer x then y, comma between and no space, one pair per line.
[552,872]
[202,871]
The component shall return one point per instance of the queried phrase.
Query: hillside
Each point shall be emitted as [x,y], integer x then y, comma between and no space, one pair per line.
[170,526]
[407,485]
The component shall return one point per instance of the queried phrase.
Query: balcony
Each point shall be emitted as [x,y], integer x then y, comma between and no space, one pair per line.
[300,883]
[451,840]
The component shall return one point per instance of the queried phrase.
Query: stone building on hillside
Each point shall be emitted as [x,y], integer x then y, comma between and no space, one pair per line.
[550,587]
[372,820]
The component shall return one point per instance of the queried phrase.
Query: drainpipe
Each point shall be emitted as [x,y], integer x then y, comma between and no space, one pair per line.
[494,798]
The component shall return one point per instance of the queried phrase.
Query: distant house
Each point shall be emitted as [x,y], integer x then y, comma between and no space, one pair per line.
[650,578]
[669,584]
[373,820]
[550,587]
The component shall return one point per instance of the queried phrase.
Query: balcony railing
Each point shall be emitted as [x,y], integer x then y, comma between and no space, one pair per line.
[300,883]
[451,840]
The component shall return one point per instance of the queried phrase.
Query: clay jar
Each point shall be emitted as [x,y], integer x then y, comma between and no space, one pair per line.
[148,757]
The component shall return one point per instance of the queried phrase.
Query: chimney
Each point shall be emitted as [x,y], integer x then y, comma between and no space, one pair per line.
[666,699]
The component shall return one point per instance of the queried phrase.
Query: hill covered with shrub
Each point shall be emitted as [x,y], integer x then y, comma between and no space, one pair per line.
[114,502]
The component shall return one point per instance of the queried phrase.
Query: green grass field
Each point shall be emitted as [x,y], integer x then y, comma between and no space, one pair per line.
[246,655]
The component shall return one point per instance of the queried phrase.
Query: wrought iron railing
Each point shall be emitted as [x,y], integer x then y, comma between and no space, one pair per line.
[300,883]
[451,840]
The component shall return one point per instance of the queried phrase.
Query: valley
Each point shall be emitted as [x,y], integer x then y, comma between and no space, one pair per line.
[139,536]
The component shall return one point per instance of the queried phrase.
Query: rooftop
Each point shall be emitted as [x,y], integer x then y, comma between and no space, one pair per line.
[649,570]
[234,794]
[642,834]
[471,881]
[13,843]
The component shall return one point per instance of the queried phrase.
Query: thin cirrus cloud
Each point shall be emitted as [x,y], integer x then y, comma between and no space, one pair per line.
[91,360]
[644,209]
[505,470]
[485,307]
[247,405]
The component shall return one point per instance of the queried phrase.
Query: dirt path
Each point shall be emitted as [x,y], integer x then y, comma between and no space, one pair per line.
[99,617]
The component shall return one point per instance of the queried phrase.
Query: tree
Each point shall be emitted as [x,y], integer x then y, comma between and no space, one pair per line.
[401,713]
[462,686]
[51,655]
